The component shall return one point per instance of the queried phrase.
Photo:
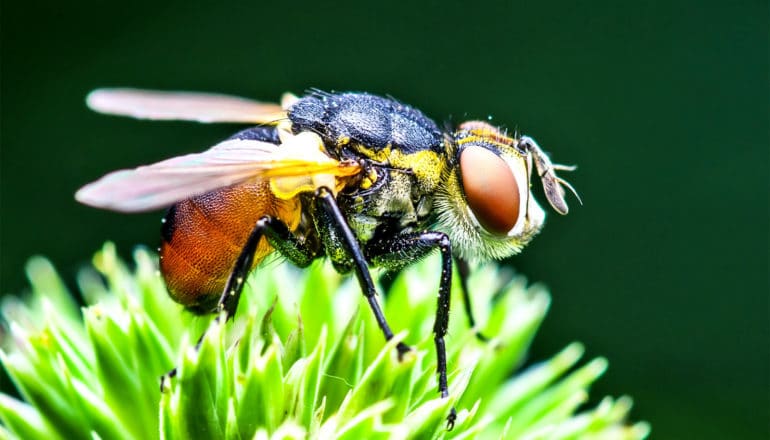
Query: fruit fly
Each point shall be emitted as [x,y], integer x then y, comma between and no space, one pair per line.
[363,180]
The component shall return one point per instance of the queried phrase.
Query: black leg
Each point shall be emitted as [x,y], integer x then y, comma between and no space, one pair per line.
[392,252]
[281,238]
[338,237]
[464,271]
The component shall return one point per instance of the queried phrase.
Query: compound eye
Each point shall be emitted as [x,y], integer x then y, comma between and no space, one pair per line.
[490,189]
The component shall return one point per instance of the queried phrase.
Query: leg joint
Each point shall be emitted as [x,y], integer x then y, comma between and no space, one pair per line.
[323,192]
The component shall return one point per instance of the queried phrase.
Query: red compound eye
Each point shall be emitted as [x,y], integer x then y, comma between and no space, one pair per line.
[490,189]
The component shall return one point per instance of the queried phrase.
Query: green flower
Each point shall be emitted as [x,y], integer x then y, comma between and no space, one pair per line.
[302,359]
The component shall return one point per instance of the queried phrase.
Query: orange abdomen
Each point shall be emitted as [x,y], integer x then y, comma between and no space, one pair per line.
[203,236]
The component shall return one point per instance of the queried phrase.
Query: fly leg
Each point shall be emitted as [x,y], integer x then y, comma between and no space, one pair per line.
[398,251]
[282,239]
[343,249]
[464,271]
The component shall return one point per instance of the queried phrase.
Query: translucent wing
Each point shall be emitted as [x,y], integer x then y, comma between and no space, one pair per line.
[298,164]
[187,106]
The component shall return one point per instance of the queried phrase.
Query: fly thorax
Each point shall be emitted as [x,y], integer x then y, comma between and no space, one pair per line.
[388,200]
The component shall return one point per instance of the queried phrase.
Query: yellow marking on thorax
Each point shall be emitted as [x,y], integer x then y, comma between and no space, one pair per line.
[368,180]
[426,165]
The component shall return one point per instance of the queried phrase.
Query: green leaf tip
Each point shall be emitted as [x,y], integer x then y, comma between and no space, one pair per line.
[304,358]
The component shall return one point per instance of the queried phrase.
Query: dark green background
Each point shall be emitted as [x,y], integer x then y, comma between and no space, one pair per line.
[664,105]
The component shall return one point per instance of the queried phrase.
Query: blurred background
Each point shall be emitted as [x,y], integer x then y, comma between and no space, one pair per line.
[662,104]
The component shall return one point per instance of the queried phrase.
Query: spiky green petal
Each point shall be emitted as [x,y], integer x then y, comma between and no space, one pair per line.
[303,359]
